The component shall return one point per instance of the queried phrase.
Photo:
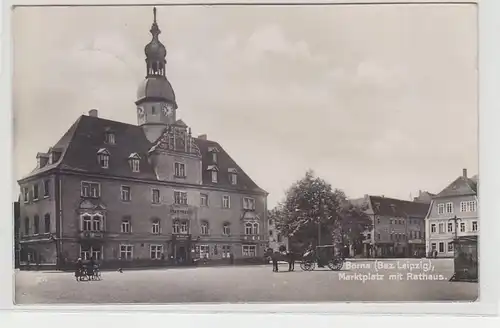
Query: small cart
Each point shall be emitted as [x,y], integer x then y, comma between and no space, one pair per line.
[321,256]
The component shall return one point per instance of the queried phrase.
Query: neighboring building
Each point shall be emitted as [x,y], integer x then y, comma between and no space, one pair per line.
[140,193]
[398,228]
[275,238]
[453,213]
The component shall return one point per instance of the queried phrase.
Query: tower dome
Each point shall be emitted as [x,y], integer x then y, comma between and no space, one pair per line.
[156,86]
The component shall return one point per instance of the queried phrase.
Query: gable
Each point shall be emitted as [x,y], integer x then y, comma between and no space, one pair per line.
[461,186]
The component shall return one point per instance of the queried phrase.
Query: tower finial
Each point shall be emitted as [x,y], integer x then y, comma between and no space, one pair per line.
[154,14]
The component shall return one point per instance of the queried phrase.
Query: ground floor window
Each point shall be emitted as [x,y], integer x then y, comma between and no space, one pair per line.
[204,251]
[226,251]
[249,250]
[156,252]
[450,247]
[433,246]
[126,252]
[441,247]
[87,252]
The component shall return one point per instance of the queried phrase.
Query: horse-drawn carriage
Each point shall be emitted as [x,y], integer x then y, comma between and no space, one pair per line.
[321,256]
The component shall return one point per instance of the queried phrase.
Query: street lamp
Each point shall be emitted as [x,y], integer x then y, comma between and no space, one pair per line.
[456,220]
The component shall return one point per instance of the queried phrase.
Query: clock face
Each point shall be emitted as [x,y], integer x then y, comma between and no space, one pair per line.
[167,109]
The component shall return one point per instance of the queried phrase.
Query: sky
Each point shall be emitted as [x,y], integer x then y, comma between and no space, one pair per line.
[378,100]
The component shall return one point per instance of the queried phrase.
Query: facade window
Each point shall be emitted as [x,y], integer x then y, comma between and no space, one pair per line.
[378,220]
[440,208]
[233,178]
[109,138]
[270,233]
[214,176]
[91,223]
[156,227]
[126,252]
[103,158]
[126,226]
[248,228]
[180,227]
[203,200]
[226,251]
[441,228]
[26,194]
[449,207]
[226,201]
[125,192]
[474,225]
[226,229]
[204,228]
[433,246]
[153,110]
[390,221]
[27,226]
[255,229]
[450,247]
[469,206]
[248,203]
[214,157]
[88,252]
[156,196]
[433,228]
[180,170]
[180,197]
[156,251]
[204,251]
[90,189]
[46,188]
[378,236]
[35,192]
[47,223]
[36,225]
[249,250]
[441,247]
[279,238]
[450,227]
[462,227]
[184,227]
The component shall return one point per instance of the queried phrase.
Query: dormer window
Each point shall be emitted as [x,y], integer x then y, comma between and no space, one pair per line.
[54,155]
[213,151]
[134,162]
[103,158]
[233,177]
[214,173]
[109,138]
[42,160]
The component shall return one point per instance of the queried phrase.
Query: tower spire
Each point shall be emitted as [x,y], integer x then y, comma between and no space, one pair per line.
[155,51]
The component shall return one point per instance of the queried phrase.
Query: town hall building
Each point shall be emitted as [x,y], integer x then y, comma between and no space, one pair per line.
[140,194]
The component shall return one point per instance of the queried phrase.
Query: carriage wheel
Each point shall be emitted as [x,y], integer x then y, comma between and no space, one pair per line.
[336,264]
[307,265]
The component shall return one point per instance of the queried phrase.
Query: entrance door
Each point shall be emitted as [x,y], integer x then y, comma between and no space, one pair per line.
[181,254]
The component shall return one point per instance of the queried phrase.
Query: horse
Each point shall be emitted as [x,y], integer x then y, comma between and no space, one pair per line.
[276,256]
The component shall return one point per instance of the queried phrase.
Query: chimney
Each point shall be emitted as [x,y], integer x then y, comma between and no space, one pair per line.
[465,173]
[93,113]
[202,137]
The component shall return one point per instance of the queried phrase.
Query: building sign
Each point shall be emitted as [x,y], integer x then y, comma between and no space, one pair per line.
[181,237]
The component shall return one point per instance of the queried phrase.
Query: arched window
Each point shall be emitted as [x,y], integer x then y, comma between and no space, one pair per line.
[156,226]
[87,223]
[176,227]
[226,229]
[103,158]
[47,223]
[248,228]
[255,230]
[204,228]
[134,162]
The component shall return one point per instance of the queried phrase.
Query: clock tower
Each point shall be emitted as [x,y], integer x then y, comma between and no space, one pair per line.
[156,105]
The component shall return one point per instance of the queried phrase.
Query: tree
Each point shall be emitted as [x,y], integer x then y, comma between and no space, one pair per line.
[312,213]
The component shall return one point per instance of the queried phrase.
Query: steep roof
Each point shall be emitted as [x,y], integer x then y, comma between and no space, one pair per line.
[460,187]
[86,137]
[396,207]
